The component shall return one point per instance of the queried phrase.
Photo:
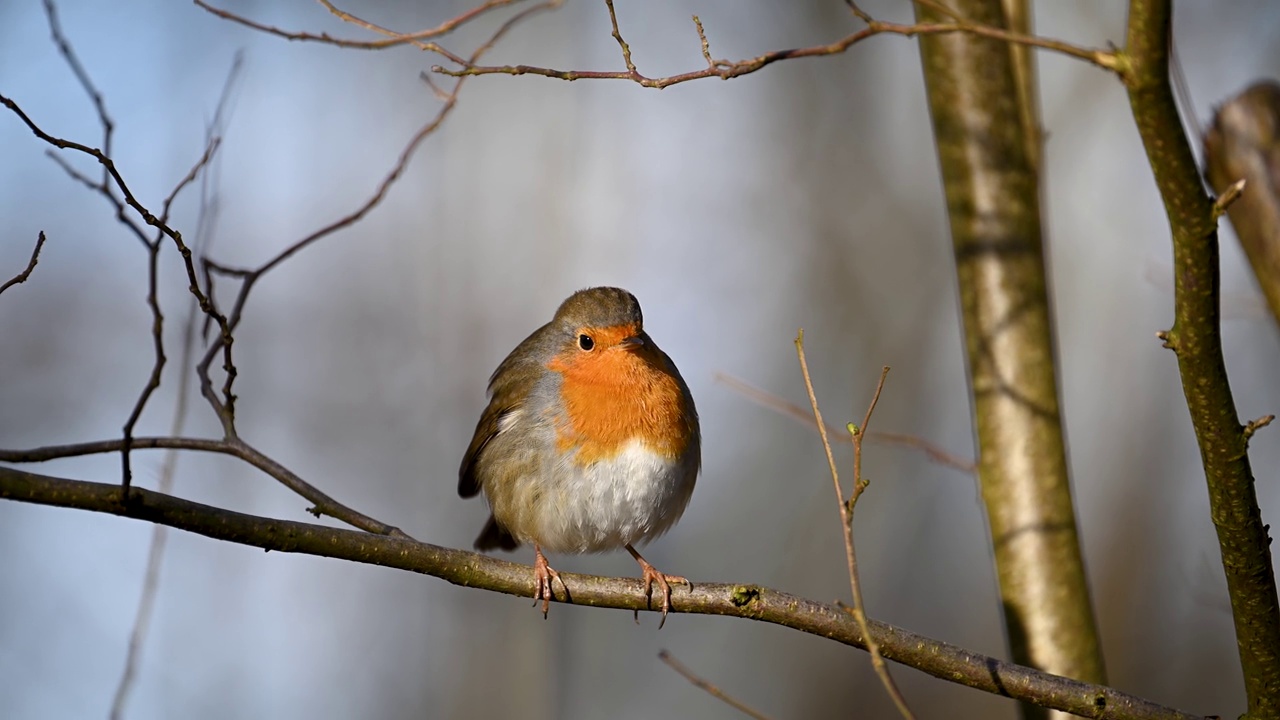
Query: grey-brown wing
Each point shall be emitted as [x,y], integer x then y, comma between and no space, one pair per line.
[509,386]
[486,430]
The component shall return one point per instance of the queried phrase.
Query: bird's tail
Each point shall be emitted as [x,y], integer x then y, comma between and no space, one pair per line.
[495,536]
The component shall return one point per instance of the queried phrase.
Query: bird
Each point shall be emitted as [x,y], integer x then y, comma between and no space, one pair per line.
[589,443]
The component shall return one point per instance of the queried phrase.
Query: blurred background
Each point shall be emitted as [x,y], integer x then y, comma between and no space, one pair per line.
[804,195]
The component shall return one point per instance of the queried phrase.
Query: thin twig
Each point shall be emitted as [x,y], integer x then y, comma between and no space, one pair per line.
[702,684]
[724,69]
[67,51]
[702,38]
[860,483]
[846,522]
[393,38]
[159,533]
[136,205]
[153,303]
[859,12]
[122,209]
[86,83]
[1228,197]
[31,265]
[1257,424]
[322,504]
[617,35]
[223,404]
[795,412]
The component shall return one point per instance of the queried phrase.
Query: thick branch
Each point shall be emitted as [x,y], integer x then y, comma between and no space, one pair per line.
[992,193]
[1196,339]
[469,569]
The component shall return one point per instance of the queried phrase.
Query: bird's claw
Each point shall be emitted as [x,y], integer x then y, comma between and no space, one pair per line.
[650,577]
[543,578]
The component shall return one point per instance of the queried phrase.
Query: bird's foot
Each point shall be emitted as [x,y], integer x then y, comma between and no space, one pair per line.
[543,576]
[650,575]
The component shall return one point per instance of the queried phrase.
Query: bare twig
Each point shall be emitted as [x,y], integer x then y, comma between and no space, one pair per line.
[322,504]
[122,209]
[859,12]
[132,202]
[160,533]
[702,684]
[617,35]
[725,69]
[223,401]
[224,405]
[1257,424]
[702,38]
[1229,196]
[392,39]
[31,265]
[104,187]
[157,316]
[846,522]
[77,68]
[795,412]
[859,482]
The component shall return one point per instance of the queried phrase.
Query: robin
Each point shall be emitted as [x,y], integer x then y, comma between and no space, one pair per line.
[590,441]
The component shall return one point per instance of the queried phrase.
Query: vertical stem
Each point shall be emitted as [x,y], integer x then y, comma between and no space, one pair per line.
[981,124]
[1196,339]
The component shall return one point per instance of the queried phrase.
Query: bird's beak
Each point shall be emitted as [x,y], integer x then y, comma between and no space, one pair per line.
[635,341]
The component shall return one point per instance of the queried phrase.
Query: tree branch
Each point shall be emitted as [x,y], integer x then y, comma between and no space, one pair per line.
[846,524]
[205,221]
[705,685]
[993,203]
[726,69]
[235,447]
[773,402]
[31,265]
[249,277]
[469,569]
[392,38]
[1196,340]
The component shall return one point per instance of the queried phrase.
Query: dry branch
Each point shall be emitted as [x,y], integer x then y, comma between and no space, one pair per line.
[31,265]
[845,508]
[703,684]
[1196,339]
[469,569]
[992,191]
[727,69]
[322,504]
[773,402]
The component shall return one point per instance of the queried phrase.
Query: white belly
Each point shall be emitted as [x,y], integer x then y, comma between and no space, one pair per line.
[633,497]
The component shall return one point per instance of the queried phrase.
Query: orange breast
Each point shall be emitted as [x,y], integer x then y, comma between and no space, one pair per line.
[618,395]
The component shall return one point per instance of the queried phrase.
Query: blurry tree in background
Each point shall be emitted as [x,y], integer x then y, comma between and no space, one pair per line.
[330,285]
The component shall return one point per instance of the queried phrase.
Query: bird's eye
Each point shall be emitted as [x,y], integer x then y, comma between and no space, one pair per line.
[586,343]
